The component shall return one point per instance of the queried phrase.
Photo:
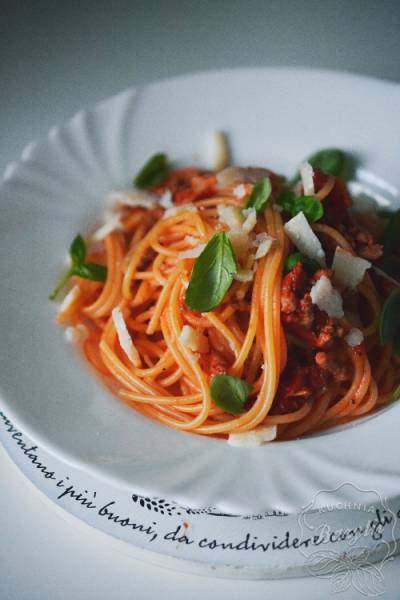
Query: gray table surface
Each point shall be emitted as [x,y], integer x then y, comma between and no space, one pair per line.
[57,57]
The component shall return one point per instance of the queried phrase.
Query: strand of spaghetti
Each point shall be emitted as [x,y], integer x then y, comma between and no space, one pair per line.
[333,234]
[292,417]
[326,188]
[370,402]
[237,367]
[172,378]
[311,420]
[176,400]
[111,291]
[149,238]
[161,303]
[175,323]
[117,367]
[343,406]
[233,342]
[371,296]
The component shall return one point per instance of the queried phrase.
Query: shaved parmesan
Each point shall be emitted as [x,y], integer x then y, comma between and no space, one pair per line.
[324,295]
[307,179]
[244,275]
[217,150]
[230,216]
[251,219]
[193,252]
[166,199]
[355,337]
[349,270]
[75,335]
[124,338]
[239,191]
[252,439]
[190,239]
[177,210]
[134,198]
[263,243]
[194,340]
[112,221]
[303,237]
[69,299]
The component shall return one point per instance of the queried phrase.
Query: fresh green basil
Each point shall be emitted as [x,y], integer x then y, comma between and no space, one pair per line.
[212,274]
[332,162]
[259,195]
[310,265]
[77,254]
[391,235]
[310,206]
[389,321]
[229,393]
[152,173]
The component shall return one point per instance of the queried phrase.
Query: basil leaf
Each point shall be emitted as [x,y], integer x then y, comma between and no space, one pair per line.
[77,250]
[90,271]
[391,235]
[259,195]
[229,393]
[332,162]
[212,274]
[77,253]
[389,320]
[311,207]
[310,265]
[152,173]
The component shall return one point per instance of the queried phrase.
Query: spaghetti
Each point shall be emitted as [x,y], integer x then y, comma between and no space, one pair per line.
[301,372]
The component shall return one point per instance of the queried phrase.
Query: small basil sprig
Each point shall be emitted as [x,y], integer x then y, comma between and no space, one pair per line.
[259,195]
[389,321]
[212,274]
[310,265]
[332,162]
[152,173]
[77,254]
[229,393]
[310,206]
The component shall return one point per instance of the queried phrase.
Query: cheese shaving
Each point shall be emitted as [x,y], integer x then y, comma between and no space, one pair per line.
[239,191]
[263,243]
[251,219]
[217,150]
[349,270]
[76,335]
[166,200]
[252,439]
[194,340]
[324,295]
[303,237]
[69,299]
[124,338]
[177,210]
[112,221]
[307,179]
[355,337]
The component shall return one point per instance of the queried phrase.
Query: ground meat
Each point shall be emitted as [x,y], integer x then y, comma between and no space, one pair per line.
[300,316]
[326,362]
[336,203]
[362,241]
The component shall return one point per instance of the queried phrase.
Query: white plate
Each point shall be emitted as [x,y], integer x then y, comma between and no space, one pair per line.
[274,117]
